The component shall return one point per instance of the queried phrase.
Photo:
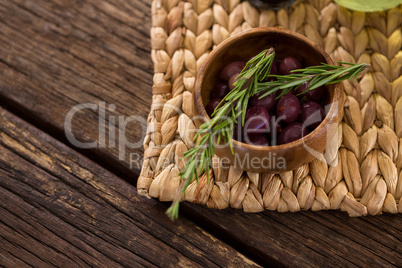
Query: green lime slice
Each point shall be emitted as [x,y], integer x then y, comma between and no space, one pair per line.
[369,5]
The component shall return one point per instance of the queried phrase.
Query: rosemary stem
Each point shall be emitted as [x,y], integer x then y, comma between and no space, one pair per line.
[250,82]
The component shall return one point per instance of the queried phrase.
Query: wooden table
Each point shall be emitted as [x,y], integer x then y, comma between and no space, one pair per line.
[61,205]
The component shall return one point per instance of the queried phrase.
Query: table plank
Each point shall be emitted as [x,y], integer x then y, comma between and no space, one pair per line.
[58,208]
[306,239]
[57,54]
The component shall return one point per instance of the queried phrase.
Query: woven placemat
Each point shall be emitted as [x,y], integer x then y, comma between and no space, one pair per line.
[360,171]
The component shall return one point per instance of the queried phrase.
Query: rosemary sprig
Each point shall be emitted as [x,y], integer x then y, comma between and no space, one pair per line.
[250,82]
[221,125]
[318,76]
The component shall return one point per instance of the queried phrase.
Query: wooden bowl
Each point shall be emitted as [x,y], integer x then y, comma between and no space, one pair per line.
[243,46]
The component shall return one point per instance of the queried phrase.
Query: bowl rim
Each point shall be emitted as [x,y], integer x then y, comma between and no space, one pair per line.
[330,116]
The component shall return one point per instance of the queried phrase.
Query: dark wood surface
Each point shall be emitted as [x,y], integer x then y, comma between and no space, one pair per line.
[57,54]
[60,209]
[65,206]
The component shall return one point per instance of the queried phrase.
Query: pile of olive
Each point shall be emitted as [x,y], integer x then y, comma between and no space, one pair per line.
[269,120]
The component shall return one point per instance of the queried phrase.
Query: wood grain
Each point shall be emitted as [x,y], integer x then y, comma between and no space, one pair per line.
[306,239]
[57,54]
[59,209]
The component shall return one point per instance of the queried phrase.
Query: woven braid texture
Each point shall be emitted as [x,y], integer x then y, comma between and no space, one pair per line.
[360,171]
